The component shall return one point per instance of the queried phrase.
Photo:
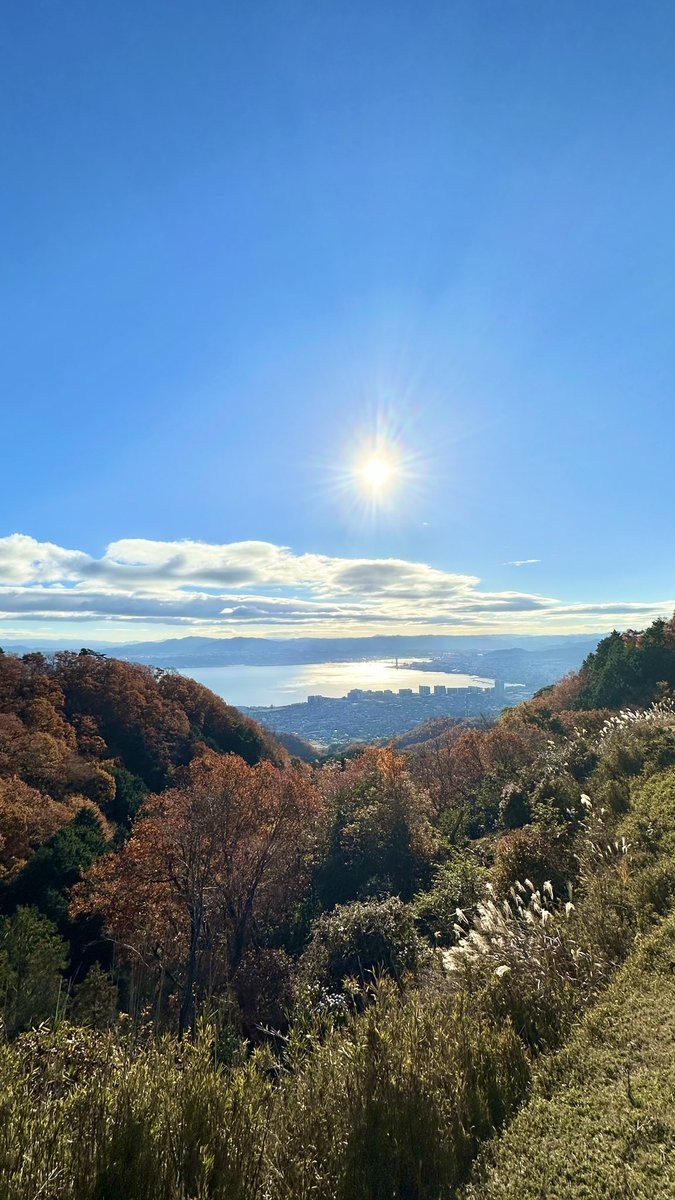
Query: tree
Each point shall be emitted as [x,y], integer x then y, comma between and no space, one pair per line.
[629,668]
[94,1001]
[32,959]
[59,864]
[380,838]
[466,775]
[207,867]
[28,818]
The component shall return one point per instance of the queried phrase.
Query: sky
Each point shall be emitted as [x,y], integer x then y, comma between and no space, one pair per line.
[247,247]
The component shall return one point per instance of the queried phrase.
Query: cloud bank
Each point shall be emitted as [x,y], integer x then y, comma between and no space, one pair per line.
[259,587]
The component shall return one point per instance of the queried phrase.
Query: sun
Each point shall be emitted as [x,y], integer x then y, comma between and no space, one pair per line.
[377,471]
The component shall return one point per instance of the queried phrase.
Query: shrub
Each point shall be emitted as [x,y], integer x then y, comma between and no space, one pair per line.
[84,1116]
[379,839]
[555,800]
[601,1120]
[651,821]
[514,806]
[264,990]
[458,883]
[362,940]
[94,1000]
[539,961]
[536,854]
[392,1106]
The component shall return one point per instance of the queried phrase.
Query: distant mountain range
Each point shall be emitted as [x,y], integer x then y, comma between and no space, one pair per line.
[495,655]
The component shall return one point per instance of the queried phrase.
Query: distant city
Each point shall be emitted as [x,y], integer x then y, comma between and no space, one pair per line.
[364,715]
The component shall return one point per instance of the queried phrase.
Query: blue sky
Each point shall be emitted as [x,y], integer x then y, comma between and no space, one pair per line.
[239,239]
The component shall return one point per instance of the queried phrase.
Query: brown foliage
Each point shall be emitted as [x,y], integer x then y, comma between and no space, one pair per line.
[28,819]
[208,863]
[380,790]
[452,771]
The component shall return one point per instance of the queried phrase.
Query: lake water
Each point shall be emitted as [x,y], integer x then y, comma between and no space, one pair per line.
[251,686]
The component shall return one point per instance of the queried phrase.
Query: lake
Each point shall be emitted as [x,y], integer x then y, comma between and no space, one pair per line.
[256,686]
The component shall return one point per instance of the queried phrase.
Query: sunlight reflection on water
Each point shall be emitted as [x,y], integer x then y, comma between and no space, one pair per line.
[248,686]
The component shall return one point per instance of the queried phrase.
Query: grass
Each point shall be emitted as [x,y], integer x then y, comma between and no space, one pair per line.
[392,1102]
[601,1123]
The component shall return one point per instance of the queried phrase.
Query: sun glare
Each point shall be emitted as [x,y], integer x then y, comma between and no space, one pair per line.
[377,471]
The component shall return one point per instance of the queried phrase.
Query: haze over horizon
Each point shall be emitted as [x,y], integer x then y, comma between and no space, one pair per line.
[336,320]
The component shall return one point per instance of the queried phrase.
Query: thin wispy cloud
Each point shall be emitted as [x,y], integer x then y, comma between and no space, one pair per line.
[262,587]
[521,562]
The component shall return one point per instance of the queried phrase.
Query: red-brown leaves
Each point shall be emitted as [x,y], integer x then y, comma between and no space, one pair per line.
[206,864]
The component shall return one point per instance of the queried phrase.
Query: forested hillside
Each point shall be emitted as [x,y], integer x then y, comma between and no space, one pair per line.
[237,974]
[84,740]
[631,668]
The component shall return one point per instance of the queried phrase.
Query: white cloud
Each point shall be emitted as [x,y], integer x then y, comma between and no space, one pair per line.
[259,586]
[521,562]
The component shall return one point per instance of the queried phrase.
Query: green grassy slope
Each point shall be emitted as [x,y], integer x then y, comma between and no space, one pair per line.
[601,1124]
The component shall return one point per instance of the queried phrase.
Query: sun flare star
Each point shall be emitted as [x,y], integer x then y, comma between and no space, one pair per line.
[377,472]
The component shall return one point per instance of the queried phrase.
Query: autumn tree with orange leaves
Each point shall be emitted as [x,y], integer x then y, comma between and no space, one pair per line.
[208,866]
[465,772]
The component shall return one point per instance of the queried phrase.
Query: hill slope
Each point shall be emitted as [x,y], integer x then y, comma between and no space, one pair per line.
[602,1122]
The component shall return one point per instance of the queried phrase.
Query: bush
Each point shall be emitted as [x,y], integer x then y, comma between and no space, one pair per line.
[84,1116]
[536,854]
[601,1121]
[394,1105]
[94,1000]
[538,960]
[379,839]
[514,806]
[458,883]
[361,941]
[651,821]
